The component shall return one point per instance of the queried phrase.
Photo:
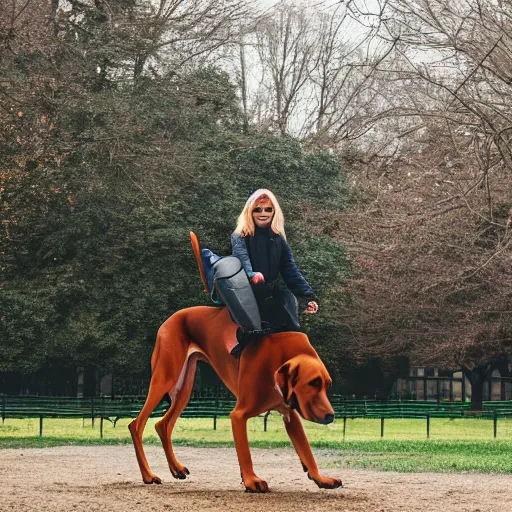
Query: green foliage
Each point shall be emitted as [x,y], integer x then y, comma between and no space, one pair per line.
[105,175]
[101,280]
[110,267]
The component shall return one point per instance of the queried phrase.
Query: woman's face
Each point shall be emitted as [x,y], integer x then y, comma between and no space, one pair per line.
[263,212]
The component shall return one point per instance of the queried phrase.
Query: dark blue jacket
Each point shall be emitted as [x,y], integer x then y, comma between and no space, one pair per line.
[282,263]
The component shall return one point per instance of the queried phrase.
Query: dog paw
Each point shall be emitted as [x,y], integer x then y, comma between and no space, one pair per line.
[256,485]
[180,474]
[326,482]
[152,479]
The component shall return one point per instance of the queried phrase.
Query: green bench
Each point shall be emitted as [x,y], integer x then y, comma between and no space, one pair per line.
[129,407]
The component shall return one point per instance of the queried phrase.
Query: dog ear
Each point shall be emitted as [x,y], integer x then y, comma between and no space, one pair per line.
[281,378]
[286,378]
[294,374]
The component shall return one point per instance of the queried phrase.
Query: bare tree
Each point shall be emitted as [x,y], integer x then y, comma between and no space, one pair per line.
[432,242]
[316,72]
[181,31]
[162,36]
[345,91]
[462,52]
[286,42]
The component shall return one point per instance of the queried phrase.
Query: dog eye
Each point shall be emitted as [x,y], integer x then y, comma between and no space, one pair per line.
[316,383]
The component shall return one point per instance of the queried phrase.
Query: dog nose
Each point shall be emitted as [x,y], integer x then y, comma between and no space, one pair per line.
[328,418]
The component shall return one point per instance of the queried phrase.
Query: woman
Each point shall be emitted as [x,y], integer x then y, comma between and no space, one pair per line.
[259,242]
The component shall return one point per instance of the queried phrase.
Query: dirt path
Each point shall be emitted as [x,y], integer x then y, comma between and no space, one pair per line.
[107,479]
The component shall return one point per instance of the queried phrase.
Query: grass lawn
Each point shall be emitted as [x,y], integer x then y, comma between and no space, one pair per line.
[464,444]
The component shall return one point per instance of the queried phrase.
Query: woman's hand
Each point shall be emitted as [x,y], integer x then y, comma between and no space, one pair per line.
[311,308]
[257,278]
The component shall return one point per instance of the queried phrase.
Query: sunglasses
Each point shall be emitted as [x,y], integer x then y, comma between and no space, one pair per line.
[268,209]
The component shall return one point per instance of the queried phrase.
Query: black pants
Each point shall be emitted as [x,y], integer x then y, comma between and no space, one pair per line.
[271,303]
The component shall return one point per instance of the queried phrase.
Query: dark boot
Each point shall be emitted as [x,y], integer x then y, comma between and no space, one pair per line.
[244,338]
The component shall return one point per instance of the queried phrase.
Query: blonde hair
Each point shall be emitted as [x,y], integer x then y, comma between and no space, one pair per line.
[245,224]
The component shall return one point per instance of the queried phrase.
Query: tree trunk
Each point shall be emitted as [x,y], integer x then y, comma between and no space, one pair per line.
[385,386]
[53,17]
[502,366]
[477,376]
[139,63]
[477,391]
[243,88]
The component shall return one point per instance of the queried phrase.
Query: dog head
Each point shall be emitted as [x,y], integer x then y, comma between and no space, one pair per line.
[304,381]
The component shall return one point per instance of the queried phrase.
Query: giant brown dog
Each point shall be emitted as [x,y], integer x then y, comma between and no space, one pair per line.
[278,372]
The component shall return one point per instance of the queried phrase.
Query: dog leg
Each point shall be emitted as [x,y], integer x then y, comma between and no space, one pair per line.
[157,390]
[167,363]
[239,426]
[298,437]
[284,410]
[165,426]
